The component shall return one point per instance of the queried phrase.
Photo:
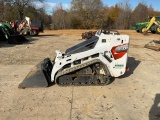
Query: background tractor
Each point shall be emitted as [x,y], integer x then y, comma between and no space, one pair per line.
[13,32]
[153,25]
[27,26]
[8,34]
[140,26]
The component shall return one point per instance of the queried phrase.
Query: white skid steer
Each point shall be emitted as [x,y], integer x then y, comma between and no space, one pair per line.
[93,61]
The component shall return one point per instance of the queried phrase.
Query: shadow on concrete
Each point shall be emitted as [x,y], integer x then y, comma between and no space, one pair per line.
[17,41]
[132,64]
[21,40]
[41,35]
[154,113]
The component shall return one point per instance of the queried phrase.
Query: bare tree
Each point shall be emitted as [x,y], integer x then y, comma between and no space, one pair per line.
[140,13]
[9,12]
[59,17]
[21,4]
[102,18]
[1,9]
[123,21]
[87,10]
[114,12]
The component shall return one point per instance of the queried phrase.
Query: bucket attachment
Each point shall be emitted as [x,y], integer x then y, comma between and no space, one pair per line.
[39,76]
[17,39]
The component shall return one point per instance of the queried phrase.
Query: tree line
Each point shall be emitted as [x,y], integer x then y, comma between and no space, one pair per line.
[11,10]
[83,14]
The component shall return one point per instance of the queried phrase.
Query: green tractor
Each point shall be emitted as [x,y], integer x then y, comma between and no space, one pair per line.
[8,34]
[140,26]
[153,25]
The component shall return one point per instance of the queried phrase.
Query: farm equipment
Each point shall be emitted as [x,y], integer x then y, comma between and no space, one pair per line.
[93,61]
[27,27]
[7,34]
[140,26]
[88,35]
[36,27]
[153,25]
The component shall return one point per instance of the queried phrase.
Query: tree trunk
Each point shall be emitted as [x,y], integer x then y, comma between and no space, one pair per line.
[21,14]
[1,10]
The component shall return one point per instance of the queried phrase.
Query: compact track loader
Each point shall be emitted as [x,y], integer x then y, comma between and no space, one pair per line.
[93,61]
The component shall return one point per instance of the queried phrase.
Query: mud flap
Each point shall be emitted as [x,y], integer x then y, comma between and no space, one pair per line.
[37,76]
[17,39]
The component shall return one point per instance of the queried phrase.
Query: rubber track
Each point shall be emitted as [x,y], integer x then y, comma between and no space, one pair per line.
[77,67]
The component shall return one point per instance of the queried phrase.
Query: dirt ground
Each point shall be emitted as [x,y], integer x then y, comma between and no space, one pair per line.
[133,96]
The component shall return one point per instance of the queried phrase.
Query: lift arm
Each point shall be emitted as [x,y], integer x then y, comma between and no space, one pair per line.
[153,19]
